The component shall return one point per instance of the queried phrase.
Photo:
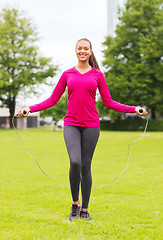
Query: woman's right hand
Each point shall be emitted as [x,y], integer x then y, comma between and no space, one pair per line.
[22,113]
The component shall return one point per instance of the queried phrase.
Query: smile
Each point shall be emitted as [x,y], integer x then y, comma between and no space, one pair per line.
[82,55]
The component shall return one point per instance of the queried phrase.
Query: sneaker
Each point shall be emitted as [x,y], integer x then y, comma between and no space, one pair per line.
[75,211]
[84,214]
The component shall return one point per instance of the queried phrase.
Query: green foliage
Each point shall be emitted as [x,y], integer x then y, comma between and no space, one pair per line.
[34,206]
[134,57]
[132,125]
[21,63]
[58,111]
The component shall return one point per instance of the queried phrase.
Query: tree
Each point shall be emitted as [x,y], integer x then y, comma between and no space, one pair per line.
[134,57]
[20,61]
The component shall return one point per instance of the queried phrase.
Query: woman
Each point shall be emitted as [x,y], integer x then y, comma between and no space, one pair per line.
[81,122]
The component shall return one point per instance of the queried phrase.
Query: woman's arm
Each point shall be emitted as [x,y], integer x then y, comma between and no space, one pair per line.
[107,99]
[110,103]
[54,98]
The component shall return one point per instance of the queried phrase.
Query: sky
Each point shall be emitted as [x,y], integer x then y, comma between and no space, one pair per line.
[60,23]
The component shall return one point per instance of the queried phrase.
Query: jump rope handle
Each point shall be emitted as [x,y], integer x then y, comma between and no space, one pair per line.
[141,110]
[24,112]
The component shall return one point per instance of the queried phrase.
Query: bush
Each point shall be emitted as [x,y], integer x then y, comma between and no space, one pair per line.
[132,125]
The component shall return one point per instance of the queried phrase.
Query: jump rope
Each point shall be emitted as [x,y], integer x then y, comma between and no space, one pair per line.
[145,129]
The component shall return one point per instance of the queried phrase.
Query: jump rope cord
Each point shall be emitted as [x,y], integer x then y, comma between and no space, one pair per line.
[34,158]
[63,185]
[127,157]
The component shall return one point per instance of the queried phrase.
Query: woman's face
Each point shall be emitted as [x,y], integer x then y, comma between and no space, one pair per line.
[83,50]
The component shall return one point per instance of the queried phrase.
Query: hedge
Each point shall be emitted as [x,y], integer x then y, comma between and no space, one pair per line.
[132,125]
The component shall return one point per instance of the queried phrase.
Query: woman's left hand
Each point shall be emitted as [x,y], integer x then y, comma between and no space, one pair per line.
[141,111]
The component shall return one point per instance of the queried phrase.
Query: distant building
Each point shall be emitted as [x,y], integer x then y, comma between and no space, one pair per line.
[112,14]
[32,121]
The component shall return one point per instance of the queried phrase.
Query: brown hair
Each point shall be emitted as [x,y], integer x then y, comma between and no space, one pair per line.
[92,59]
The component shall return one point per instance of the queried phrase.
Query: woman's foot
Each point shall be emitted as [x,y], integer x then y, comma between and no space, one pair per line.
[84,214]
[75,211]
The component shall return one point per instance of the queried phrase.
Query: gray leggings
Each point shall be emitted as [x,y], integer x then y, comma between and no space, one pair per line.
[81,143]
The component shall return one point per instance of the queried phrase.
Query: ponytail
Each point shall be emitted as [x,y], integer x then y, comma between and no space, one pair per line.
[93,62]
[92,59]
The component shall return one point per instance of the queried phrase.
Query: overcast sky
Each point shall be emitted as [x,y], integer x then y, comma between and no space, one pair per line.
[60,23]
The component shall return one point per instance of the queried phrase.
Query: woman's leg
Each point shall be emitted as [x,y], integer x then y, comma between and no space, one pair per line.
[72,138]
[88,143]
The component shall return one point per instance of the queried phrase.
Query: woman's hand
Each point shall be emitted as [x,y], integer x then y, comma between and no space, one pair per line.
[141,111]
[23,112]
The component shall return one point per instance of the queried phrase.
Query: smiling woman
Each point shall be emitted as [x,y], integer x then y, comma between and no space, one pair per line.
[81,123]
[85,55]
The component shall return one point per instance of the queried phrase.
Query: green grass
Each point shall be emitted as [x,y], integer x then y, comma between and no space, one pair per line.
[33,206]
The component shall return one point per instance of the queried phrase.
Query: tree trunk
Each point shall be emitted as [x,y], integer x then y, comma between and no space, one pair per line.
[11,110]
[153,113]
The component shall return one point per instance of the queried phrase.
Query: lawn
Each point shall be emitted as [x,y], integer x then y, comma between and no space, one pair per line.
[33,206]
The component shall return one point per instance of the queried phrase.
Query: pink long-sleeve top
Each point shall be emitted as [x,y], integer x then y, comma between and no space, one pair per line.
[81,110]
